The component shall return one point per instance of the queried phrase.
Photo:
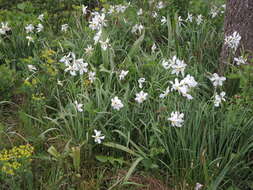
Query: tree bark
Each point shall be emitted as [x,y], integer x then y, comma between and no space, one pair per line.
[239,17]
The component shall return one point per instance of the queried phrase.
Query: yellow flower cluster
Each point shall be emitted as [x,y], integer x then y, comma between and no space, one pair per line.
[38,97]
[10,159]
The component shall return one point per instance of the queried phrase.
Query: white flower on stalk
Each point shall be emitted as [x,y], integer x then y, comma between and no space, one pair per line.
[218,98]
[189,17]
[176,119]
[4,28]
[123,74]
[199,19]
[140,12]
[104,44]
[29,28]
[154,14]
[160,5]
[233,40]
[84,9]
[120,8]
[214,12]
[64,27]
[98,137]
[89,49]
[163,20]
[39,28]
[217,80]
[165,64]
[116,103]
[180,20]
[141,81]
[31,68]
[111,9]
[97,21]
[153,48]
[41,17]
[165,93]
[74,65]
[97,37]
[81,66]
[92,77]
[141,97]
[240,60]
[137,28]
[59,82]
[178,68]
[198,186]
[189,81]
[182,87]
[78,106]
[30,39]
[177,65]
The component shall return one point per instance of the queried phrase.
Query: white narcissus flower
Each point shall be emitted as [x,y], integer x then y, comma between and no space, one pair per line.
[97,37]
[116,103]
[214,12]
[137,28]
[154,14]
[123,74]
[74,65]
[111,9]
[92,77]
[165,64]
[4,28]
[183,87]
[180,20]
[160,5]
[64,27]
[219,98]
[59,82]
[179,67]
[141,97]
[120,8]
[39,28]
[163,20]
[29,28]
[141,81]
[177,119]
[89,49]
[104,44]
[31,68]
[140,12]
[98,137]
[199,19]
[84,9]
[217,80]
[153,48]
[81,66]
[189,17]
[190,81]
[30,39]
[165,93]
[198,186]
[78,106]
[41,17]
[98,21]
[240,60]
[233,41]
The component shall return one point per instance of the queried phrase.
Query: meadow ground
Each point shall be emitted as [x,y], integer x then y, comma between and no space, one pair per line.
[122,95]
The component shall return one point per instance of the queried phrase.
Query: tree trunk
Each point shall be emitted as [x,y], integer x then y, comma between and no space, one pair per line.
[239,17]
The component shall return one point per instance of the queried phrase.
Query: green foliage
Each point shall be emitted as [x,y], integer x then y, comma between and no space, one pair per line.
[7,82]
[214,145]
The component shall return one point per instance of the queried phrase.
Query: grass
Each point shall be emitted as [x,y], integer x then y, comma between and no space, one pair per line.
[141,149]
